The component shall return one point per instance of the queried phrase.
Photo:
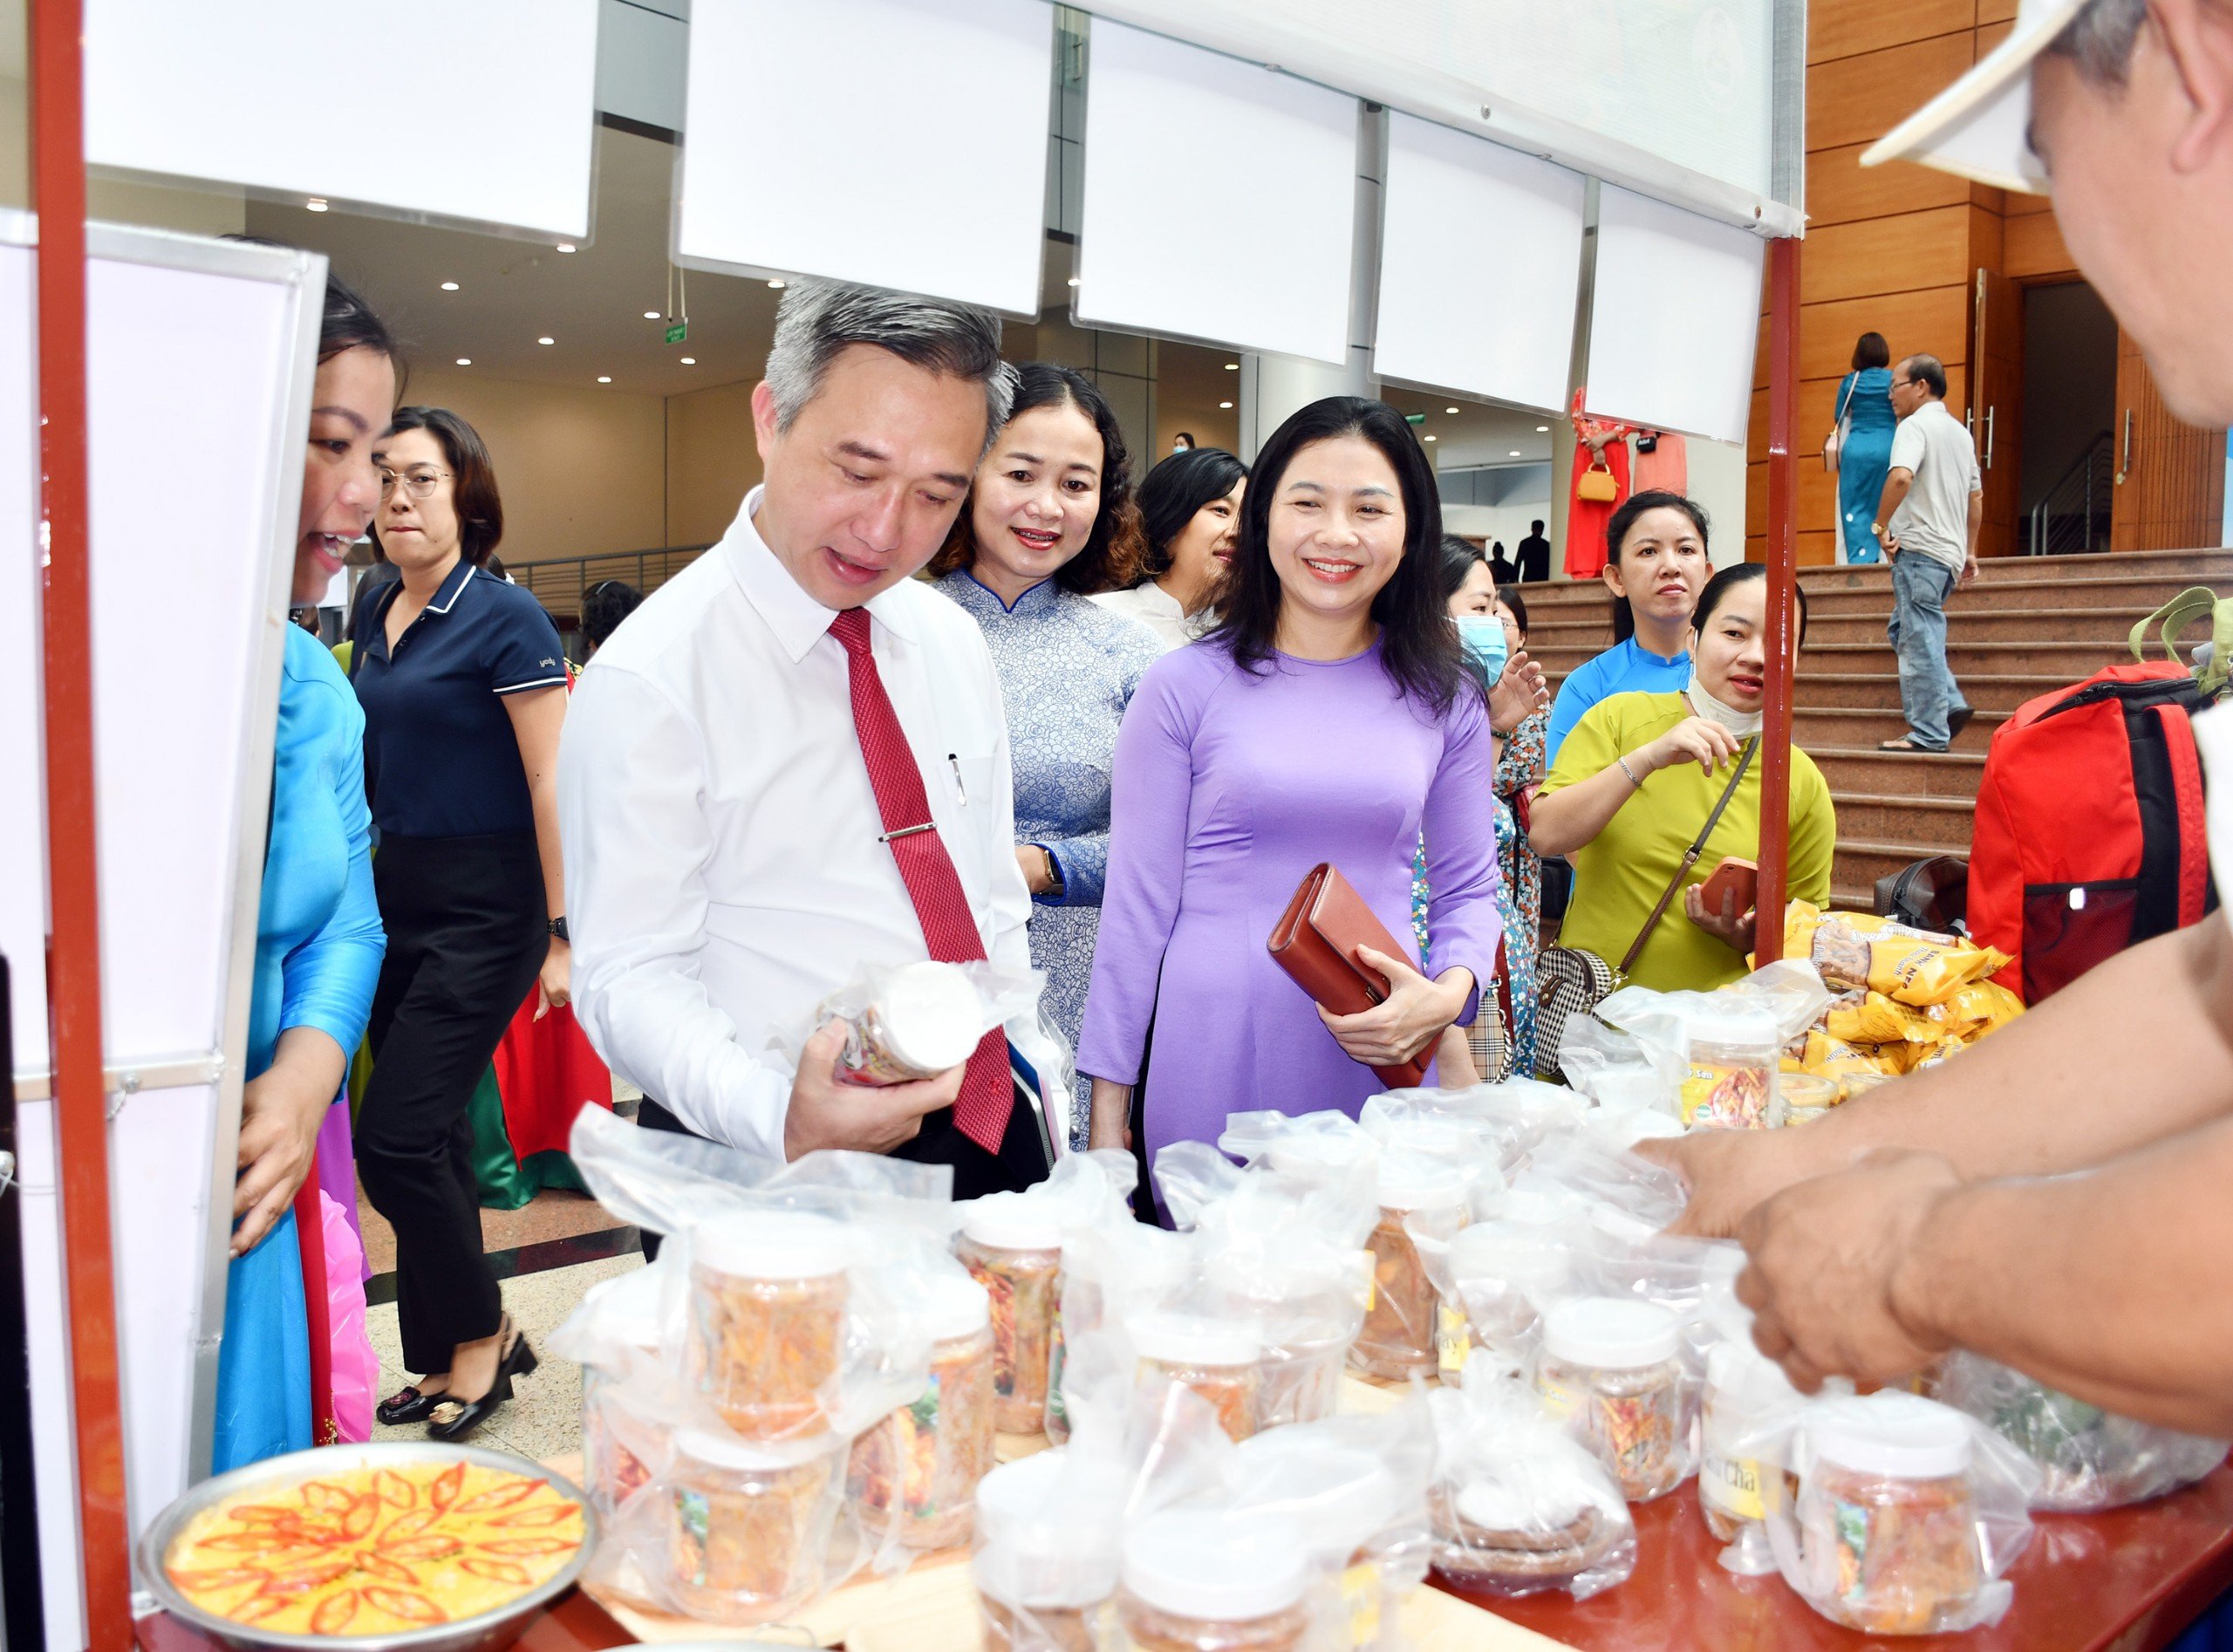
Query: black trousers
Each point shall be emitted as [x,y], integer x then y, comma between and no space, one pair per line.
[1019,1164]
[466,934]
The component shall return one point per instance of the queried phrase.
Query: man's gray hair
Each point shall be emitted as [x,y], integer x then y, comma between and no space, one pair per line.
[2098,41]
[818,319]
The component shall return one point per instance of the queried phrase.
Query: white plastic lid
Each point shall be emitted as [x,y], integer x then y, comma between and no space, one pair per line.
[1194,1339]
[1013,1222]
[1498,1505]
[772,1244]
[929,1015]
[628,1306]
[1747,1028]
[1611,1332]
[1309,1152]
[1738,1372]
[1049,1531]
[1511,1251]
[1902,1436]
[727,1451]
[1222,1566]
[955,1307]
[1409,1182]
[1342,1496]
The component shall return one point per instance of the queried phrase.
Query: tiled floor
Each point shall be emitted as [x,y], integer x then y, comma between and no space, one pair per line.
[543,1418]
[551,1214]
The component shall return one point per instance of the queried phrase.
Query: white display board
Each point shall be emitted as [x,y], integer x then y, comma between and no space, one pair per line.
[1480,267]
[473,111]
[1219,199]
[898,143]
[200,361]
[1675,318]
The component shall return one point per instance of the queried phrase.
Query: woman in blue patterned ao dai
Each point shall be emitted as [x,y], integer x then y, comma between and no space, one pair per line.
[1051,520]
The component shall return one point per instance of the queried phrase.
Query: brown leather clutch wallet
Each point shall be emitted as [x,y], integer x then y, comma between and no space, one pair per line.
[1317,943]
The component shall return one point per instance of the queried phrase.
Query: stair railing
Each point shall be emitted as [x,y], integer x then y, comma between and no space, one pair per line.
[2074,514]
[558,583]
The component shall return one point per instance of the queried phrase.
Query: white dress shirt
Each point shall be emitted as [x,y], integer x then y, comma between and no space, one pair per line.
[723,871]
[1157,610]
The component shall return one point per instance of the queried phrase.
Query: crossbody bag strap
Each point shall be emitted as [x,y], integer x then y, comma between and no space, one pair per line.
[1846,401]
[1689,857]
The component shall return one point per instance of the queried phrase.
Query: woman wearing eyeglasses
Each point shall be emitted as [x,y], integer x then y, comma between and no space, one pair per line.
[463,685]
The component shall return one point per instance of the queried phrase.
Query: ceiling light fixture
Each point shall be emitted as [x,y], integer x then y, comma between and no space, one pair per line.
[465,361]
[1515,452]
[565,246]
[779,285]
[1541,427]
[604,378]
[449,286]
[1426,439]
[546,341]
[1224,404]
[651,315]
[315,203]
[1233,367]
[1074,280]
[690,361]
[1450,410]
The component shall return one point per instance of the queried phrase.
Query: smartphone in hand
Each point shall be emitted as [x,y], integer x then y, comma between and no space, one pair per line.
[1741,876]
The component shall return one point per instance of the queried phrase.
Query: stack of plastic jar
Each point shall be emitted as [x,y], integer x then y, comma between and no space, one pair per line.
[1046,1553]
[1730,1082]
[1503,1272]
[1739,1488]
[1887,1515]
[767,1296]
[1215,1580]
[1398,1338]
[748,1524]
[1218,1359]
[928,1458]
[1012,1245]
[1609,1367]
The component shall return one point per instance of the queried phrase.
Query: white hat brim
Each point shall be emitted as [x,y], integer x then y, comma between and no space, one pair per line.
[1979,127]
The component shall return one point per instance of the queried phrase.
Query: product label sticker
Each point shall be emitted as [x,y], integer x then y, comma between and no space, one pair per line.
[1733,1486]
[1453,1338]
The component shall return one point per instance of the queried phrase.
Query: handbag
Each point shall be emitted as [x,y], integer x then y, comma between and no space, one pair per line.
[1316,941]
[1571,980]
[1598,483]
[1834,445]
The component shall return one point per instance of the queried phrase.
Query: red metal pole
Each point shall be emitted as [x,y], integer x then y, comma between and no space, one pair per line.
[1783,556]
[74,961]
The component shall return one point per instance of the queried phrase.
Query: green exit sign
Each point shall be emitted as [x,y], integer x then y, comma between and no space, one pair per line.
[1409,418]
[678,332]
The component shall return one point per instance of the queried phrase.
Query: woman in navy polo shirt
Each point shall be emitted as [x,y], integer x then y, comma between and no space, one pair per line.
[463,685]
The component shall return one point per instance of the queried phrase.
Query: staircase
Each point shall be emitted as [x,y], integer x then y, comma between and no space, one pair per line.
[2027,625]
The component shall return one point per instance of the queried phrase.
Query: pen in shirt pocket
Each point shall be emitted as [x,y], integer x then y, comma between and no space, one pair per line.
[959,790]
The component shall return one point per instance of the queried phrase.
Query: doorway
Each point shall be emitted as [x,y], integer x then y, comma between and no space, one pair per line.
[2066,474]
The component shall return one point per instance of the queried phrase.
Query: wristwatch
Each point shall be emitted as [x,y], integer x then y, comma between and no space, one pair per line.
[558,931]
[1877,530]
[1054,871]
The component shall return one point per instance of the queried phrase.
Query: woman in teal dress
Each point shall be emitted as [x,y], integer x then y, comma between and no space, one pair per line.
[1864,399]
[319,941]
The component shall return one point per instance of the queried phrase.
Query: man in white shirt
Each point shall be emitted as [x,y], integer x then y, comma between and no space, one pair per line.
[733,854]
[1933,507]
[2056,1197]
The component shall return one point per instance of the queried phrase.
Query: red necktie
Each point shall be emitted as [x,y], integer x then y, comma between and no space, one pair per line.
[949,928]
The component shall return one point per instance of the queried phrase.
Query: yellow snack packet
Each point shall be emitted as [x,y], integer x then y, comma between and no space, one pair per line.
[1927,971]
[1983,1005]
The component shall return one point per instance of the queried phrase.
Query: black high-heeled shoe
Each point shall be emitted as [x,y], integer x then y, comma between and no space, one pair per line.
[519,1361]
[409,1405]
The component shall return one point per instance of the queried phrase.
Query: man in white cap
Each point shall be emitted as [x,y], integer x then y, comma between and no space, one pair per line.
[2058,1198]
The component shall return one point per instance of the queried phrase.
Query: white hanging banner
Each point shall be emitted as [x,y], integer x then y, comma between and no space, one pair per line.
[897,143]
[1675,315]
[480,112]
[1259,261]
[1480,267]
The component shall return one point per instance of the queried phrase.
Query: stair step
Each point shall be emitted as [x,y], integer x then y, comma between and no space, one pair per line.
[1942,823]
[1999,693]
[1860,861]
[2066,661]
[2144,593]
[2194,566]
[1921,775]
[1860,727]
[1966,622]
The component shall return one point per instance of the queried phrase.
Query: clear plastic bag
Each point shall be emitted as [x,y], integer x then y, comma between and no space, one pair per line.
[1722,1050]
[1493,1280]
[1047,1548]
[1517,1505]
[912,1021]
[2088,1459]
[1907,1513]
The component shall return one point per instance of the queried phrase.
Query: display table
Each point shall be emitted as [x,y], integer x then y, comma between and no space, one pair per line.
[575,1623]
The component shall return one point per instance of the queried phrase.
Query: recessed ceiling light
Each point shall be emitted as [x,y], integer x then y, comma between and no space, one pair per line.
[565,246]
[315,203]
[1224,404]
[651,315]
[546,341]
[449,286]
[1450,410]
[1074,280]
[778,285]
[1233,367]
[1515,452]
[1541,427]
[690,361]
[1426,439]
[604,378]
[465,361]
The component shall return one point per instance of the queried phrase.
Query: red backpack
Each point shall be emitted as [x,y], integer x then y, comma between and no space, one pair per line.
[2088,837]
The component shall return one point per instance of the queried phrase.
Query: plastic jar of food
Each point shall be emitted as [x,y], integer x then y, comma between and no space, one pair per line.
[928,1458]
[1398,1338]
[1504,1271]
[1730,1081]
[1608,1366]
[767,1301]
[748,1524]
[1348,1503]
[1806,1096]
[1012,1245]
[1887,1516]
[1739,1487]
[620,1450]
[1304,1307]
[1220,1360]
[1214,1581]
[926,1019]
[1046,1553]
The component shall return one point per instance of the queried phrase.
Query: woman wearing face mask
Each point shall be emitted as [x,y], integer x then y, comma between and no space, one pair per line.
[1049,520]
[1637,780]
[1189,510]
[318,938]
[1658,564]
[464,684]
[1330,717]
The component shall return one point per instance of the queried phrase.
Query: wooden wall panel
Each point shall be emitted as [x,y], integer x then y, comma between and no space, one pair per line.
[1914,250]
[1816,549]
[2032,248]
[1840,190]
[1996,11]
[1858,99]
[2172,497]
[1936,320]
[1847,28]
